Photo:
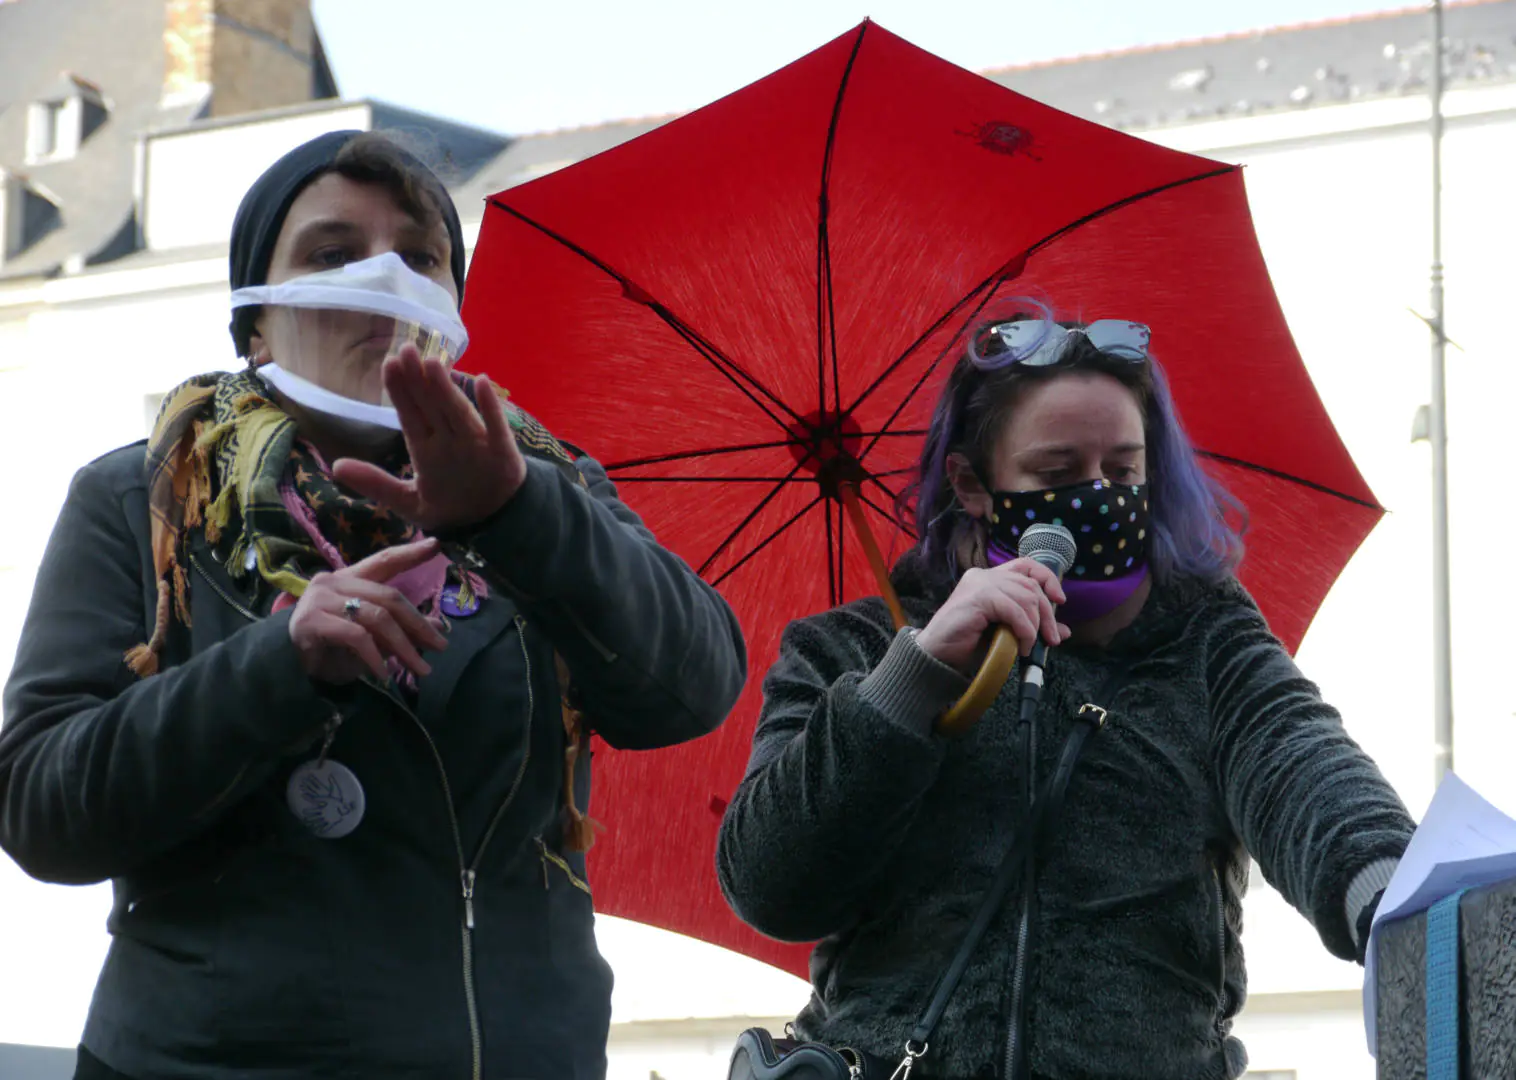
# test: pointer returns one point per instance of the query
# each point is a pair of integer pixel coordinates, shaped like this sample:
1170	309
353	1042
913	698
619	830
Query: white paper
1463	842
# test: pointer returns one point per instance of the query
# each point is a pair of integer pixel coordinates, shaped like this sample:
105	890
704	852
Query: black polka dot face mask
1109	523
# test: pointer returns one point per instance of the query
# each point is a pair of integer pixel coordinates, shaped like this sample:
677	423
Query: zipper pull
468	899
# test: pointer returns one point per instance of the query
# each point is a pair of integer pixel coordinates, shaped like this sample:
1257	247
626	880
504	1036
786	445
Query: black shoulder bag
760	1056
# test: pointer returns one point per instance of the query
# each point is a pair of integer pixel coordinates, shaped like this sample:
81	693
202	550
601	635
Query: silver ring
350	608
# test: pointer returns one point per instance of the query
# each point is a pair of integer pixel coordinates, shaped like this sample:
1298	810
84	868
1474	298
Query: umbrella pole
871	551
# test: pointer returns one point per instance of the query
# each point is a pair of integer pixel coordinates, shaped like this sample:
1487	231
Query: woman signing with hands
309	677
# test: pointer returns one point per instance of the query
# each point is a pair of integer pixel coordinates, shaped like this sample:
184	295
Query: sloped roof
116	45
1293	67
1284	68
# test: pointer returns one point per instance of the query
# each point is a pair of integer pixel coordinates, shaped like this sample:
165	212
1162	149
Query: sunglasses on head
1042	342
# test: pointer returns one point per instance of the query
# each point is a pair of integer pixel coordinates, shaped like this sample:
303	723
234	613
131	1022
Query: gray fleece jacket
858	827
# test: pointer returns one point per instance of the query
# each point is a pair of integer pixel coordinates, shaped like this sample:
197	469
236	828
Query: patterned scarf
224	457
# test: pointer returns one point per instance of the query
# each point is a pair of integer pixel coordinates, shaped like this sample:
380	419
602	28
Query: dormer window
47	129
62	119
27	214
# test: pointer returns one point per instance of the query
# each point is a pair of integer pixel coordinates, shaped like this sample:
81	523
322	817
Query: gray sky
519	66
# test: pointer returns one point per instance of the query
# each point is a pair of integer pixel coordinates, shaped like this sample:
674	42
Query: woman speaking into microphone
1115	953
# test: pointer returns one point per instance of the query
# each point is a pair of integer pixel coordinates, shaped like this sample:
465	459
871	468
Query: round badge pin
455	605
326	798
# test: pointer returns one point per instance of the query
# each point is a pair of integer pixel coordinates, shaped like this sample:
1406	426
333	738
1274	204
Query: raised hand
466	461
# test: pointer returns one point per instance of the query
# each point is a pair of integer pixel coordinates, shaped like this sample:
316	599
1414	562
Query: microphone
1051	546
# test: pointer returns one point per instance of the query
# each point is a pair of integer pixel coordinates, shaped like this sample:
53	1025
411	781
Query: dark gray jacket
857	826
245	946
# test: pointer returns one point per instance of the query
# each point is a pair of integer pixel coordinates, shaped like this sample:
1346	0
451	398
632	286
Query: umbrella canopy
747	313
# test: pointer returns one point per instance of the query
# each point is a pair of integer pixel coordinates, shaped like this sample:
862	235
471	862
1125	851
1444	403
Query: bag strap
1444	984
1044	816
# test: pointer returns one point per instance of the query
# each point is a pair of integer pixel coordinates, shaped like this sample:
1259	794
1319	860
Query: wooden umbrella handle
998	664
982	692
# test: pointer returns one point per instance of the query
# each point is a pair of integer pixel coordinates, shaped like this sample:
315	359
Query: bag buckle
1096	711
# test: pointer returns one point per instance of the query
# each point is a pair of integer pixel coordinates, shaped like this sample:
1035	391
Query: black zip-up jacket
244	945
856	825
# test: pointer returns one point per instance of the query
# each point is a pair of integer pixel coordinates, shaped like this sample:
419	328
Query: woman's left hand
466	461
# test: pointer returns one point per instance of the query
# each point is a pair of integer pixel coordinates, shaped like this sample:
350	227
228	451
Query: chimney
243	55
186	50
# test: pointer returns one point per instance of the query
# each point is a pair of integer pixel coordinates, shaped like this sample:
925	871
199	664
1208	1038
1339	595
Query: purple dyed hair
1197	523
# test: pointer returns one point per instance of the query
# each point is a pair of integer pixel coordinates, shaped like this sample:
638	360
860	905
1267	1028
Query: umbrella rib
826	307
722	363
894	496
728	368
881	511
1027	254
1278	475
1128	201
987	287
745	522
686	455
702	480
806	509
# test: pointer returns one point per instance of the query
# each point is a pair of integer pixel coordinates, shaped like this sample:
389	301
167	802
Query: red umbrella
747	313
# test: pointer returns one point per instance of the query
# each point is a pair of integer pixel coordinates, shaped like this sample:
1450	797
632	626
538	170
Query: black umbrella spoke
727	367
882	434
826	308
1266	471
733	372
987	287
1128	201
893	519
769	539
710	480
882	486
999	276
745	522
711	451
739	448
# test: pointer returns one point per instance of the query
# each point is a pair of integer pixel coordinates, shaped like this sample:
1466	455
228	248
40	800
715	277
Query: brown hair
380	158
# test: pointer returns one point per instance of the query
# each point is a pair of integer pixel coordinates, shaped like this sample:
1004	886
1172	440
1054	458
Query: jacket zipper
467	871
231	601
1221	995
1018	985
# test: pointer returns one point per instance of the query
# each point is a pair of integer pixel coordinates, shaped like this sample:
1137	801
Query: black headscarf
266	204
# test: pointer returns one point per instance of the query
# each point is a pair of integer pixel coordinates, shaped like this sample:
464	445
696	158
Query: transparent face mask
326	335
